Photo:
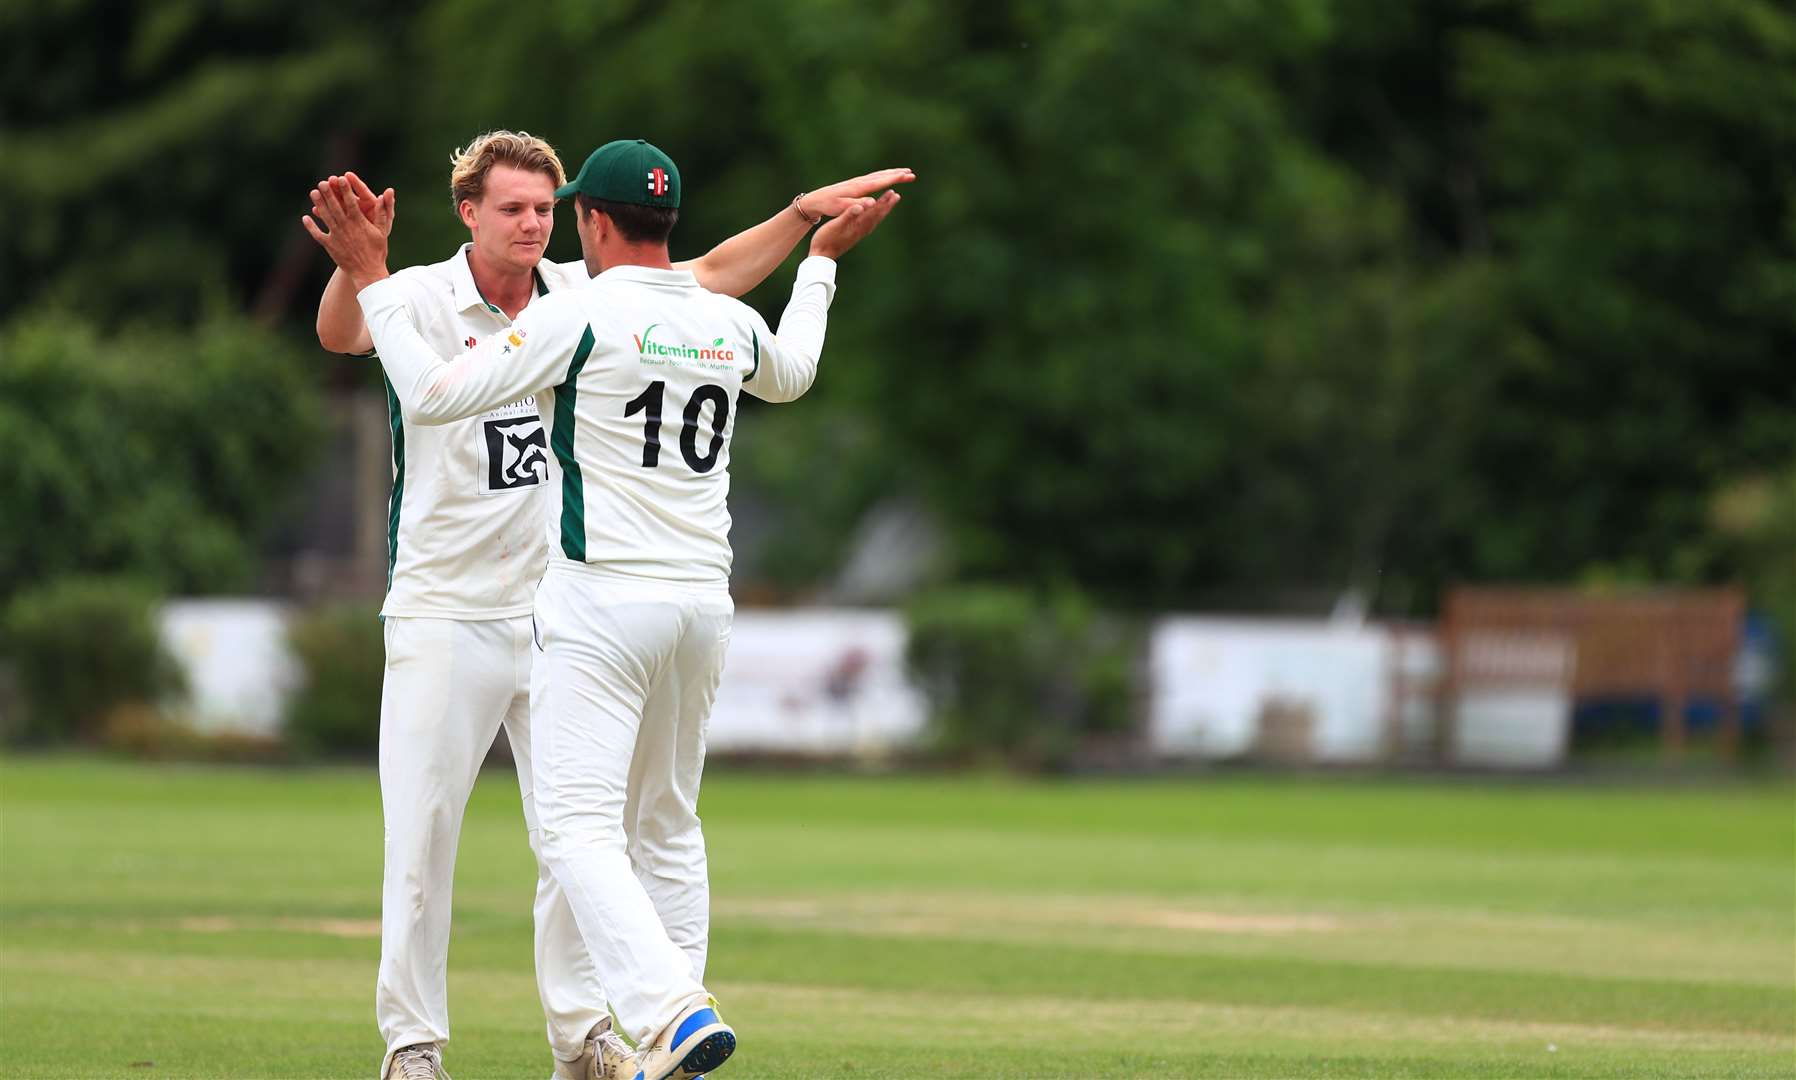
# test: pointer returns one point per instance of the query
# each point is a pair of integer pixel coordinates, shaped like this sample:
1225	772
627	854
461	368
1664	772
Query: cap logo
657	181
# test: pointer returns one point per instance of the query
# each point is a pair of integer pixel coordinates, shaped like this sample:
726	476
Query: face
511	222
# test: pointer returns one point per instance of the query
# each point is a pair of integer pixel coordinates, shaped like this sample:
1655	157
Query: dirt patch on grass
225	924
1217	922
1222	1028
764	908
962	914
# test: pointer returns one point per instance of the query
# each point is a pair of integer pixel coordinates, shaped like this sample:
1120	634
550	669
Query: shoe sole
709	1054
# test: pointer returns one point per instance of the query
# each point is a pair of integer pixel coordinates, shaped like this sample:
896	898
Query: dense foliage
336	706
1016	676
152	452
1191	300
85	654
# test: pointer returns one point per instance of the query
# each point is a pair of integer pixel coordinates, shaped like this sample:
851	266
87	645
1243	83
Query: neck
653	256
506	287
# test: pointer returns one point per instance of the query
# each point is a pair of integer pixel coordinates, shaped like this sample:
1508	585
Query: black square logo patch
517	453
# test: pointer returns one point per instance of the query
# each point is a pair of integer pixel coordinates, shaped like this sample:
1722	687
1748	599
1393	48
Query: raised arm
786	364
340	325
535	354
737	265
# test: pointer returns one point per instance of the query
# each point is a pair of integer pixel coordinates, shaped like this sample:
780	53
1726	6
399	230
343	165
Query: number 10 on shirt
649	403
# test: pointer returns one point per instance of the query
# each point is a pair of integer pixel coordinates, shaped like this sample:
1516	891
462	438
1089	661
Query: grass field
222	923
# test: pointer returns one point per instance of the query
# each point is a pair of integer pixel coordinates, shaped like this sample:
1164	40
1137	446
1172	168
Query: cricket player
637	375
466	547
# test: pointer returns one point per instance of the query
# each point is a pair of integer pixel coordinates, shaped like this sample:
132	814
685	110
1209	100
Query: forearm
791	362
430	390
737	265
340	325
413	368
434	389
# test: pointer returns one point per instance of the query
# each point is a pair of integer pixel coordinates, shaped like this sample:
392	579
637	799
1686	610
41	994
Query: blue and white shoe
697	1042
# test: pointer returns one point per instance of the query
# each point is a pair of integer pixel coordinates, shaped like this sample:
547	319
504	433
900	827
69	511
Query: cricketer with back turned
633	615
466	547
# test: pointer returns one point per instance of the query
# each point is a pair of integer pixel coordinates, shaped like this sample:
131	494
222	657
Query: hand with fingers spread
836	199
356	242
376	208
841	234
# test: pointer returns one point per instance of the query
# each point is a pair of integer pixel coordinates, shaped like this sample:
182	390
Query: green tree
155	453
164	150
82	649
1642	190
1189	298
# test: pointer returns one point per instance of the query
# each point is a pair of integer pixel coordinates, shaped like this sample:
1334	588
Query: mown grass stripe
850	907
916	964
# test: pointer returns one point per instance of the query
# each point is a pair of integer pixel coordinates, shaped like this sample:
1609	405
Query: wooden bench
1672	645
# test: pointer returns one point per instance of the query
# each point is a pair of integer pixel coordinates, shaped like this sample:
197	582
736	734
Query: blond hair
468	166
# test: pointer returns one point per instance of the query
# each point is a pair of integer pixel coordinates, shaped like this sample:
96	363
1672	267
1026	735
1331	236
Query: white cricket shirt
636	375
464	521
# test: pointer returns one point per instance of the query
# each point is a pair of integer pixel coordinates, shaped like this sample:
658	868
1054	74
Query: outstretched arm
537	352
340	325
737	265
432	389
786	364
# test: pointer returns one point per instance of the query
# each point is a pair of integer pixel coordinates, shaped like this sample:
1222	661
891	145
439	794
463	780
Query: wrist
810	219
362	278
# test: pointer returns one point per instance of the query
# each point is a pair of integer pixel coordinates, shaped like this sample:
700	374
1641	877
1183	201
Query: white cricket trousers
449	685
621	695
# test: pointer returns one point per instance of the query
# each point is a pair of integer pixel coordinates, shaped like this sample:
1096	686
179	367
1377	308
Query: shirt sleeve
533	355
787	361
413	292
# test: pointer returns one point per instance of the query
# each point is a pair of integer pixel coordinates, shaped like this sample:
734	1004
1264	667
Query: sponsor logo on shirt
716	356
517	453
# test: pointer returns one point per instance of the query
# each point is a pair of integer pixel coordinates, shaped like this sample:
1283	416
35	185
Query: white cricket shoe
606	1056
421	1062
695	1043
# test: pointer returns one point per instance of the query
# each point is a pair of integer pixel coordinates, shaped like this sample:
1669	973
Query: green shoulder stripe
573	487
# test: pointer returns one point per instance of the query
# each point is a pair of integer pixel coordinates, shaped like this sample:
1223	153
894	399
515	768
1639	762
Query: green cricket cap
627	171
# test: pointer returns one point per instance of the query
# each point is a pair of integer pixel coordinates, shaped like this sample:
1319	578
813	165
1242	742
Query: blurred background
1289	568
1312	381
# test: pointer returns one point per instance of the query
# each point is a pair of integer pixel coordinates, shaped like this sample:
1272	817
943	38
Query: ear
466	210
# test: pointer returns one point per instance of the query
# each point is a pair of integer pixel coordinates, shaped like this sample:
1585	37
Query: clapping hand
358	222
835	239
836	199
